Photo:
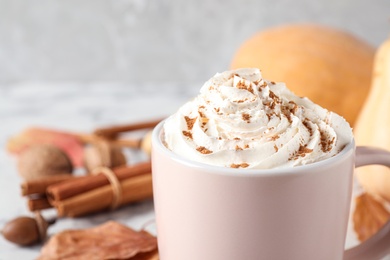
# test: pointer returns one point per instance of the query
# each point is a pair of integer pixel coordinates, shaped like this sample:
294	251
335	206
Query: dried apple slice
69	143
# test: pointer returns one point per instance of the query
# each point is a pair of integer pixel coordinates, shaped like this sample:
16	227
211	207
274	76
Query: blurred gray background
155	41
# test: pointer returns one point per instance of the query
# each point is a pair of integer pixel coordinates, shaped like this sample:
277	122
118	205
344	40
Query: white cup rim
312	167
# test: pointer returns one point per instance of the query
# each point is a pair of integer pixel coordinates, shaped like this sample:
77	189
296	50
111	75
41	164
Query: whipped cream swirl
240	120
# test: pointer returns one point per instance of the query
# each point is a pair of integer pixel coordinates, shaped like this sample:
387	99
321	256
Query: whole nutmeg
102	153
42	160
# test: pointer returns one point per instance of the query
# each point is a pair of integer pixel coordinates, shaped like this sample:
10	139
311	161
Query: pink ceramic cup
206	212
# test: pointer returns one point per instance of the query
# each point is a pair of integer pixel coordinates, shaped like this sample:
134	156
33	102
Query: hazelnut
102	153
25	231
146	143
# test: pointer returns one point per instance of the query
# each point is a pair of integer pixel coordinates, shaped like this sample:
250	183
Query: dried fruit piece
67	142
369	216
107	241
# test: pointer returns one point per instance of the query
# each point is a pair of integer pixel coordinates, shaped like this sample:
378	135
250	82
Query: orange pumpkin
372	127
331	67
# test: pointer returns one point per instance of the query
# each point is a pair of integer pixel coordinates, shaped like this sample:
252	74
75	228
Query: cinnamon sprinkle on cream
187	134
272	95
241	85
308	127
203	150
303	150
262	85
294	107
326	144
190	122
246	117
275	98
201	114
241	165
287	114
243	100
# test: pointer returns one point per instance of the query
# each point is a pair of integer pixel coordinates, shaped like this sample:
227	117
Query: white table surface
78	107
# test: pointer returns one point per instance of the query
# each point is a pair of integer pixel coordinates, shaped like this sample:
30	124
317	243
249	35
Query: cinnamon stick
35	204
113	131
39	186
130	143
135	188
83	184
93	138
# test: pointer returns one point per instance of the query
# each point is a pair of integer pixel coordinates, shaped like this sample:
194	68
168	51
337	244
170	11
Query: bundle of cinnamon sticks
35	190
77	196
107	188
